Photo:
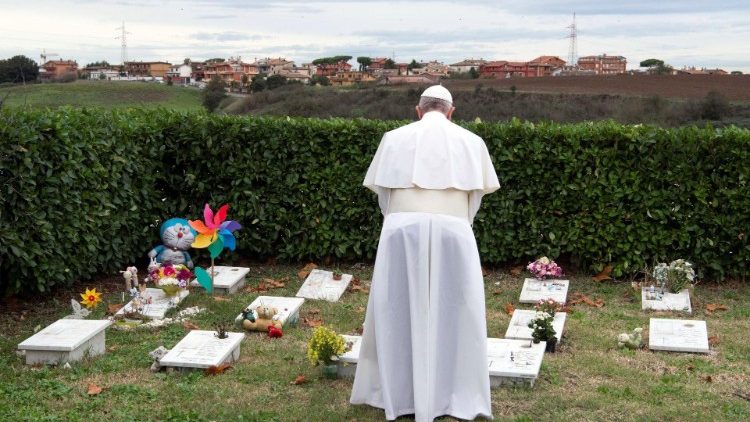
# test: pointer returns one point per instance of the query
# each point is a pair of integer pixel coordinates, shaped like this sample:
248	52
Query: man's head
436	98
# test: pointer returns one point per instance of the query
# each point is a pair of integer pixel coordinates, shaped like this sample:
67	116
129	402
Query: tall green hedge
84	191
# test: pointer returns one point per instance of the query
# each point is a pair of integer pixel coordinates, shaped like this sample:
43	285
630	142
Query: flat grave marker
288	308
321	285
514	361
66	340
160	303
201	349
227	280
518	328
678	335
535	290
348	361
668	301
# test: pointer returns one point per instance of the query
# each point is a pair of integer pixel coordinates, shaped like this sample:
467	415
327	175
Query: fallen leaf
579	297
274	284
260	288
94	389
312	322
713	340
603	274
356	286
713	307
299	380
189	325
221	299
509	308
112	308
216	370
516	271
305	271
497	292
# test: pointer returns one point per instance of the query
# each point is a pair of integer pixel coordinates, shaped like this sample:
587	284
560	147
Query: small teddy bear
631	341
261	319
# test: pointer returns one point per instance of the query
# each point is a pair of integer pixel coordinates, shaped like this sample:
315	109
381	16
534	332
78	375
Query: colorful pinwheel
215	234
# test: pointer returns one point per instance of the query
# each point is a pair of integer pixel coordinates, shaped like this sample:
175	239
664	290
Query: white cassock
424	345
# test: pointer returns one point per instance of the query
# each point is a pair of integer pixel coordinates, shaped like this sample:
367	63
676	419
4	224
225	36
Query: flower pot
551	345
330	371
170	290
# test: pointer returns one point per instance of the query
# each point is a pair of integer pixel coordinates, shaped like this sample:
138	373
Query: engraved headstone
288	308
665	301
535	290
203	349
160	303
321	285
66	340
678	335
227	280
518	328
514	361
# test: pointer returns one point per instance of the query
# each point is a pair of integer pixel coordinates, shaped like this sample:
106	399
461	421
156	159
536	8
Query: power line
124	45
573	47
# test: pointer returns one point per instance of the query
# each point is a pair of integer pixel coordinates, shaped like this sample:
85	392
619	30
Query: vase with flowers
544	268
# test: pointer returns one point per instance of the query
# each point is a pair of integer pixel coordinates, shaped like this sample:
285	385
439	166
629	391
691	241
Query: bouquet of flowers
170	278
325	346
542	328
549	306
543	268
675	276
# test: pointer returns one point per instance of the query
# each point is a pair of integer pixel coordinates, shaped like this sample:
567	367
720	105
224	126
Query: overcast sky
683	33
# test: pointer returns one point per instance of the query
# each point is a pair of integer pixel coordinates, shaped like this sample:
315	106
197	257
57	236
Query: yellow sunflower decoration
91	298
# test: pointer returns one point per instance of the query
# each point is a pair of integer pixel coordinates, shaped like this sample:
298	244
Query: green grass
589	379
107	94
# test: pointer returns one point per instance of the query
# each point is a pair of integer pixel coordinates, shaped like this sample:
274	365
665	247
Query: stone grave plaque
518	328
160	303
678	335
514	361
288	308
321	285
227	280
201	349
66	340
348	361
535	290
665	301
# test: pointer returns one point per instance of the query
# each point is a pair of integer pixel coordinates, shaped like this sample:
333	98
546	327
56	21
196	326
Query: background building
603	64
145	69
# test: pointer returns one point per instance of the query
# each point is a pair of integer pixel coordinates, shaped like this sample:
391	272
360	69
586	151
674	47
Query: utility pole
124	43
573	48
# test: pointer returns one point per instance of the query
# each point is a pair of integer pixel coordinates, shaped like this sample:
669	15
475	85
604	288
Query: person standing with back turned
424	344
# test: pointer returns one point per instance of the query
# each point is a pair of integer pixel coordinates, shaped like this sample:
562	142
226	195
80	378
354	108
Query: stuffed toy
631	341
176	236
261	319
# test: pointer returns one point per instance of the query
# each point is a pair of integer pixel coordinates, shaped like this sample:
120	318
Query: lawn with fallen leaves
589	379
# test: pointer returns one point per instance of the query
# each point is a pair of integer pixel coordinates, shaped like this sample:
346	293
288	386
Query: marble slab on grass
669	301
514	362
288	308
678	335
227	280
348	361
321	285
518	328
160	303
201	349
66	340
535	290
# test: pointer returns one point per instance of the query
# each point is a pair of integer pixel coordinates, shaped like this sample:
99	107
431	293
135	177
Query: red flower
169	271
184	274
274	332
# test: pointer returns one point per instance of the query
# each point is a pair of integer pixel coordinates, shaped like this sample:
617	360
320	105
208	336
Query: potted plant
676	276
337	275
544	268
542	330
324	348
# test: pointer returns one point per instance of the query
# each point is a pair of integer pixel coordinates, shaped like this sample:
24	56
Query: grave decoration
78	311
323	285
670	291
66	340
519	328
91	298
324	348
170	278
153	303
130	275
544	268
215	233
287	310
633	340
262	318
542	329
156	355
678	335
676	276
176	236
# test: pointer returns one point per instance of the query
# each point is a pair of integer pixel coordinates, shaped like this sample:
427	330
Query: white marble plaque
535	290
66	340
288	308
514	358
665	301
678	335
352	354
202	349
321	285
160	303
518	328
227	280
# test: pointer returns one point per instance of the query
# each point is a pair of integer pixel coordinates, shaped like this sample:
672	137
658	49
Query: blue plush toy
176	236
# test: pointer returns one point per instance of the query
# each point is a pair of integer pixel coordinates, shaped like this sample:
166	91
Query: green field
107	94
589	379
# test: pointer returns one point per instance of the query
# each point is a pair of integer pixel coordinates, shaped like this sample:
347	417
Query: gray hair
434	104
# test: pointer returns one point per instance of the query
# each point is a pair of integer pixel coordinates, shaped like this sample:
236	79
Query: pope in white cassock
424	345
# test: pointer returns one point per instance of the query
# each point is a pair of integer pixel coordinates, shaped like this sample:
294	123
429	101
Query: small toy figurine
631	341
177	236
131	277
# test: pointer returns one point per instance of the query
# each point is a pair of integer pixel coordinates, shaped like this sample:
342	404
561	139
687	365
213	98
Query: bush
715	106
214	93
84	191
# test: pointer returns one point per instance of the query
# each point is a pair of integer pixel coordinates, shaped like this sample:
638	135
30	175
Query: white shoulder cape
432	153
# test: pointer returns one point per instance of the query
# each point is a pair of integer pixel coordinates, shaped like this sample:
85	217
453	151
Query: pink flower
169	271
184	274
